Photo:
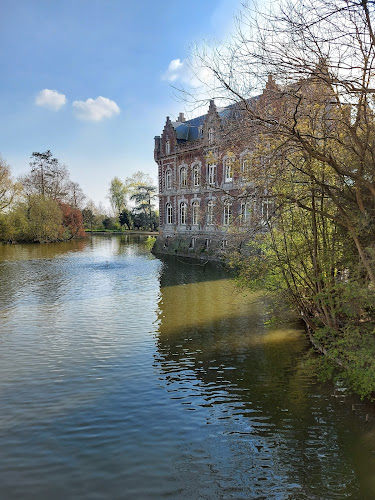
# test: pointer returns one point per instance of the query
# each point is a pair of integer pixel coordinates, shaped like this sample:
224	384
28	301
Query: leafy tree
143	196
312	133
72	222
44	219
125	218
8	188
140	220
51	179
118	193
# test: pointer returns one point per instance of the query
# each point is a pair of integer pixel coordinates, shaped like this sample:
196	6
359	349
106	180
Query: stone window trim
195	212
167	146
183	176
210	212
169	213
168	178
211	135
227	212
183	213
212	174
228	168
196	167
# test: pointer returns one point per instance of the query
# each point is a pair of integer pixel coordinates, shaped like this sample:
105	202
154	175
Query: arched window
211	135
183	177
227	213
183	210
169	212
211	174
228	170
168	179
210	213
195	213
197	176
167	147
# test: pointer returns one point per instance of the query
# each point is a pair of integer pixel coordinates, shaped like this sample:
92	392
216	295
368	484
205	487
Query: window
228	170
168	179
245	211
211	135
195	213
207	242
227	213
183	177
210	213
183	210
267	210
197	176
211	174
192	242
245	165
167	147
169	212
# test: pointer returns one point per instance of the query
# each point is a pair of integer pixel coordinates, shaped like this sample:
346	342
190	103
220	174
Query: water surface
126	377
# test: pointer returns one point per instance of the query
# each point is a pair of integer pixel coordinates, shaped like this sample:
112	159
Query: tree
118	195
8	188
125	218
137	179
312	131
143	196
51	179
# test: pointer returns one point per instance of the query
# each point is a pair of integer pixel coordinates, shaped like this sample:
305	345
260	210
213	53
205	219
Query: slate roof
189	129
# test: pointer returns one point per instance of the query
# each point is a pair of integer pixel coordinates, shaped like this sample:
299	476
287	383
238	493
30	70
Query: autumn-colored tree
72	222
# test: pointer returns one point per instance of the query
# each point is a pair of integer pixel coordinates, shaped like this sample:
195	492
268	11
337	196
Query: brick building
203	189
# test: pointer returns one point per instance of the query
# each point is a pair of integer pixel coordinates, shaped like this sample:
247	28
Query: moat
123	376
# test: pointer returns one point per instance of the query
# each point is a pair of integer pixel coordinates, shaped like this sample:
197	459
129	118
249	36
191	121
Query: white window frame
210	213
167	147
169	213
168	179
195	212
183	177
196	176
183	213
212	174
227	219
267	207
245	211
228	173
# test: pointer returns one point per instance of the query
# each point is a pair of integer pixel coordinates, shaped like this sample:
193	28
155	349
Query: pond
126	376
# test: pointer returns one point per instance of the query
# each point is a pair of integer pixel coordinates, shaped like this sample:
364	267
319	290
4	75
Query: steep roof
189	130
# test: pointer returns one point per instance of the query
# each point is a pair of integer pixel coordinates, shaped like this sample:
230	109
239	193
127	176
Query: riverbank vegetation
42	206
312	156
134	202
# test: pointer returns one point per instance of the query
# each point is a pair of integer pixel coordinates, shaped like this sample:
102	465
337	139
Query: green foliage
150	242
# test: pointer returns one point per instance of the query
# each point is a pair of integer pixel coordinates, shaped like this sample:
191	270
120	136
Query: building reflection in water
269	430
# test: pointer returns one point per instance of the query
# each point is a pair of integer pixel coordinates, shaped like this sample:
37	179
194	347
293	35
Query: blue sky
58	57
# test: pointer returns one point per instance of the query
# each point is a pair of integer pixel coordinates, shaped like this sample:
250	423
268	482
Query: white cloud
181	72
50	99
176	71
96	109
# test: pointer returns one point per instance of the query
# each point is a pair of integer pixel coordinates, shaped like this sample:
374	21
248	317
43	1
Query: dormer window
211	135
167	147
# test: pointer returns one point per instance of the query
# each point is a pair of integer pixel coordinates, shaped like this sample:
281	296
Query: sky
92	80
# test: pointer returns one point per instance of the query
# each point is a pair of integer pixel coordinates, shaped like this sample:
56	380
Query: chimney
181	118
